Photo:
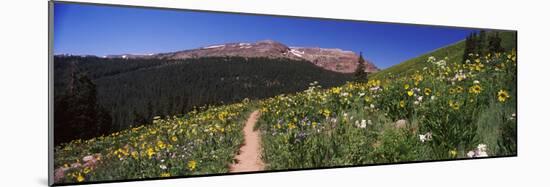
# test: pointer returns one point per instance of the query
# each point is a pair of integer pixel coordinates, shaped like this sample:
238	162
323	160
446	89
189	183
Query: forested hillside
133	91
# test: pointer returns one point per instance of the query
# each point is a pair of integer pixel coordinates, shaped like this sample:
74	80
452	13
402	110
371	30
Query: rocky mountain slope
337	60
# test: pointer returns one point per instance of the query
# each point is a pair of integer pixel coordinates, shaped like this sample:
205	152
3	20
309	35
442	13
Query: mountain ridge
333	59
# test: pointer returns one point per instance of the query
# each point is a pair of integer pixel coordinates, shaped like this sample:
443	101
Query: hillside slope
453	52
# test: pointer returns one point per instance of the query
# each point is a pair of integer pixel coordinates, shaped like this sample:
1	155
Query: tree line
482	43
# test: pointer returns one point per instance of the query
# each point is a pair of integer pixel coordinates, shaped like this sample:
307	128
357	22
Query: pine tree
494	43
360	73
470	47
482	43
77	114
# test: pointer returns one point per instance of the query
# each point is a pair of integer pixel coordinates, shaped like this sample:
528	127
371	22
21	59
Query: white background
23	92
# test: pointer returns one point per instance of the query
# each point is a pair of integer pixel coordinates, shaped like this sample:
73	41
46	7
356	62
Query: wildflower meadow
446	110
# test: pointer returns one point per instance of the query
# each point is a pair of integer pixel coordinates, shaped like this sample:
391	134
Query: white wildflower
513	117
376	88
482	147
425	137
422	138
363	124
471	154
431	59
479	151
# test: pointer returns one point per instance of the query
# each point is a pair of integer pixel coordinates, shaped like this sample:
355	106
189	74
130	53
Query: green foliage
398	145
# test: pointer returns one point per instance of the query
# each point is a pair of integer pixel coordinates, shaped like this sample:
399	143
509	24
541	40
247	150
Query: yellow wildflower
459	89
135	154
165	175
401	104
80	178
192	165
452	91
161	144
454	105
410	93
336	90
502	95
326	112
476	89
453	153
427	91
150	152
291	126
87	170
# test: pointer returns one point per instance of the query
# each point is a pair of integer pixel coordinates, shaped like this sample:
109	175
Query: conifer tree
470	46
360	73
494	44
482	43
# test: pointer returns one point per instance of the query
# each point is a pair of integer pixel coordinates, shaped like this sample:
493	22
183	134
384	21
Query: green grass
453	52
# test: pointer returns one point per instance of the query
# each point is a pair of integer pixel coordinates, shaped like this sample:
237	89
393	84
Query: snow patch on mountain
214	46
296	52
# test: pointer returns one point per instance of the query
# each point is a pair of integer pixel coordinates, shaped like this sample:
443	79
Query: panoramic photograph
148	93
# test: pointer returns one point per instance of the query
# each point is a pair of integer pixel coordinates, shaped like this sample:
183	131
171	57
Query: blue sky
102	30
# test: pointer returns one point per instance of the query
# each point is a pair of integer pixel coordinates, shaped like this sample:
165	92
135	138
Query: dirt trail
249	158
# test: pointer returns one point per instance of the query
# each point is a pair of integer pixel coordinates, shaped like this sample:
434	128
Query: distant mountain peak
333	59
